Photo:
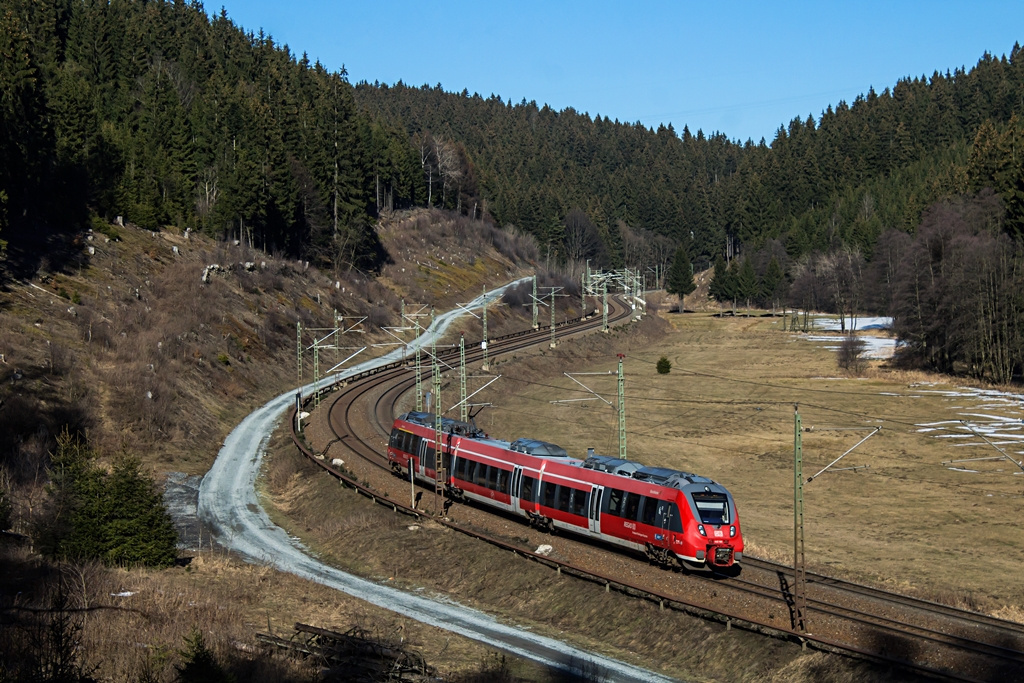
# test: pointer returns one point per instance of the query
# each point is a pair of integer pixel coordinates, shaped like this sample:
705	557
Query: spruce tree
745	282
199	664
680	275
772	282
721	286
118	518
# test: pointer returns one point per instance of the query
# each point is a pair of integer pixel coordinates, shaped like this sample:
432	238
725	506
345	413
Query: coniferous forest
907	202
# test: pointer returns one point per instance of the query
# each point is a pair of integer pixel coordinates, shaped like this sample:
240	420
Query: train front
714	527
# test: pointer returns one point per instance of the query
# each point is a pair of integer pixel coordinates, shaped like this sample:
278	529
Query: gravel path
228	505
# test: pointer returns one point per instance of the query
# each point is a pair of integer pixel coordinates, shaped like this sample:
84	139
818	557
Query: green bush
115	517
664	366
104	228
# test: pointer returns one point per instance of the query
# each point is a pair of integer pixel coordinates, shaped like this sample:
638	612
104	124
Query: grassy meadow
726	410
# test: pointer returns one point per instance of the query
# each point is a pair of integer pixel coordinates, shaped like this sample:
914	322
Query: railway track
927	638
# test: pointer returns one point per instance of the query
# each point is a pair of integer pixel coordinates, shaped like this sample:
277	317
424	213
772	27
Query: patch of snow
831	324
876	348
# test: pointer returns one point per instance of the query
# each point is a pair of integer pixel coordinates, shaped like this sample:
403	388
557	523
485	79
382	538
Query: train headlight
732	532
700	528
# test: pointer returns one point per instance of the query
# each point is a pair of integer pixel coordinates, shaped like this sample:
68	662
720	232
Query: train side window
649	512
481	475
503	479
471	472
460	468
614	502
446	460
564	498
547	494
580	500
631	506
529	483
428	458
492	478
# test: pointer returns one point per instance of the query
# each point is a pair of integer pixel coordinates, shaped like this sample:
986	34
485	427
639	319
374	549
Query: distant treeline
154	111
845	177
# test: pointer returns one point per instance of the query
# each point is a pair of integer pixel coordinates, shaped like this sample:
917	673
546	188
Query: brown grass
726	411
154	362
349	531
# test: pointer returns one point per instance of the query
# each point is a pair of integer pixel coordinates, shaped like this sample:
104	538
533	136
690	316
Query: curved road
228	505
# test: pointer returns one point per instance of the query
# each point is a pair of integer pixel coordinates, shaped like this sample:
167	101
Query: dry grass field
726	410
346	530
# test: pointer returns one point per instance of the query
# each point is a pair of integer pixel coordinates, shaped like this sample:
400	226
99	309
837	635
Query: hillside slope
156	343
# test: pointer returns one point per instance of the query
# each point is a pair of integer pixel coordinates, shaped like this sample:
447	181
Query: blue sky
740	68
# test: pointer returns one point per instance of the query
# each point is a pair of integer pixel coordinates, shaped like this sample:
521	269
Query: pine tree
772	282
199	665
721	287
745	282
680	275
138	529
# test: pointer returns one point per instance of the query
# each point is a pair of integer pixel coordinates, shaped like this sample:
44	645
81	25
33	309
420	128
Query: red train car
676	518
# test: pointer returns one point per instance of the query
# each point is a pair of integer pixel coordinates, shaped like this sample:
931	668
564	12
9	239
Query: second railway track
931	639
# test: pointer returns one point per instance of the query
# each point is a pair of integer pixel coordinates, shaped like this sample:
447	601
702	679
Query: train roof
448	425
606	463
539	448
663	476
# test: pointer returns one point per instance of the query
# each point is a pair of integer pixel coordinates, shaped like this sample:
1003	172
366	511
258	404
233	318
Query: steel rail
378	377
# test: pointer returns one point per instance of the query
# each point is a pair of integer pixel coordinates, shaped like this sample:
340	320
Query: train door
421	460
517	483
595	508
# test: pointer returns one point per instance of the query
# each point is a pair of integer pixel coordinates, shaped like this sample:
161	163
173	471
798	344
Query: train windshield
712	507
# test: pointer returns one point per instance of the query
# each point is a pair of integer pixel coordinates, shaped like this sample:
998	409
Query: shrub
664	366
101	226
199	665
48	644
851	355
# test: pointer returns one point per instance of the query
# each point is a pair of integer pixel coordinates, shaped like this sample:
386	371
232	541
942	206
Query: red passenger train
676	518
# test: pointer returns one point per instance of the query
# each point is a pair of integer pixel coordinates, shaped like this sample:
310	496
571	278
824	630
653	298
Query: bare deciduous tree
582	240
842	271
